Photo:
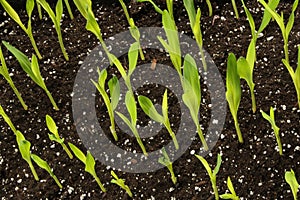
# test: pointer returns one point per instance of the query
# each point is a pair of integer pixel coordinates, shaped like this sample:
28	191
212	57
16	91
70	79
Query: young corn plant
39	8
24	148
290	178
157	9
192	93
131	108
31	68
120	182
271	119
7	120
14	15
210	10
89	162
112	101
233	93
69	9
231	195
165	160
148	107
44	165
235	8
4	72
55	136
212	173
135	33
195	26
56	17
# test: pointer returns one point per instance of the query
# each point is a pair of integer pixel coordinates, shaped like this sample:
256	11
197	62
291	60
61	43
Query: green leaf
230	186
157	9
114	89
127	122
29	7
267	16
90	163
148	107
206	165
82	6
244	71
53	137
250	18
290	23
251	53
7	120
190	8
59	10
227	196
51	125
102	78
49	10
77	152
165	106
133	54
290	178
92	24
42	163
119	66
24	146
36	72
217	168
131	107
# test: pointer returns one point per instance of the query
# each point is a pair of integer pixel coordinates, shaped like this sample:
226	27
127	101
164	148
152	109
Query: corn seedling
24	148
210	11
271	119
7	120
4	72
135	33
195	26
112	102
148	107
55	136
31	68
56	17
212	173
192	93
290	178
267	16
231	195
235	9
131	108
157	9
39	8
89	162
165	160
14	15
44	165
120	182
233	93
69	9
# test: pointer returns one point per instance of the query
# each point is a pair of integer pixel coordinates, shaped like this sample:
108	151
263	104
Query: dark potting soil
255	167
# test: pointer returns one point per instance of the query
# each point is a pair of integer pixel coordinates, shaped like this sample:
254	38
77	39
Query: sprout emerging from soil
233	93
148	107
55	136
165	160
44	165
212	173
14	15
235	9
4	72
89	162
231	195
31	68
290	178
120	182
56	17
112	102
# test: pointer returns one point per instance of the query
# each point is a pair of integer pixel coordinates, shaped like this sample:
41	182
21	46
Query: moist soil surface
255	167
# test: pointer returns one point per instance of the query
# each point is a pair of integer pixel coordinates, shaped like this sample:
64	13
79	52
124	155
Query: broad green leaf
190	8
245	71
217	168
90	163
24	146
131	107
114	89
133	54
197	28
7	120
148	107
190	101
102	78
51	125
290	178
251	53
36	71
165	105
206	165
82	6
49	10
119	66
267	16
29	7
42	163
92	24
59	10
77	152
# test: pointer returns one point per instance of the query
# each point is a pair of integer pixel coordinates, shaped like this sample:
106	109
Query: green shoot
39	7
44	165
271	119
233	93
4	72
69	9
131	108
156	8
231	195
290	178
267	16
120	182
135	33
165	160
195	26
24	148
192	93
212	173
235	9
7	120
32	69
55	137
89	162
56	17
210	11
148	107
112	102
14	15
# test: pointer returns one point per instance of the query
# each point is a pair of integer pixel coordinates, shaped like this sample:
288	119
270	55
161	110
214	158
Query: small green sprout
148	107
14	15
212	174
195	26
24	147
131	108
231	195
69	9
235	9
89	162
290	178
267	16
4	72
156	8
39	7
31	68
192	93
210	11
233	93
120	182
112	102
54	136
44	165
165	160
271	119
7	120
